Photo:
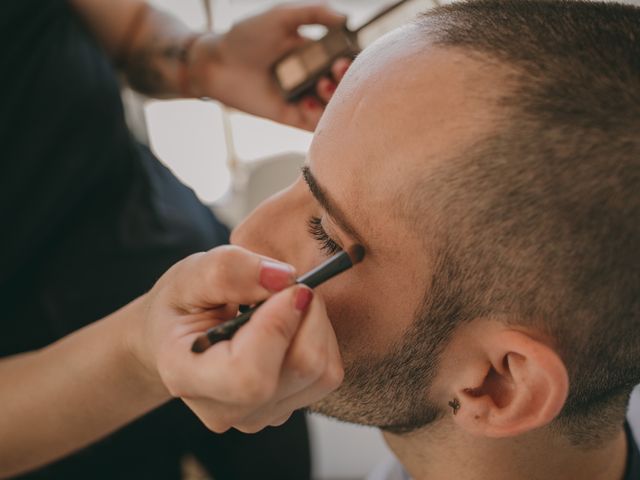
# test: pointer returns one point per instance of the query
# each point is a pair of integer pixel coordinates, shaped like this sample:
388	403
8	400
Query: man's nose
262	230
273	228
240	234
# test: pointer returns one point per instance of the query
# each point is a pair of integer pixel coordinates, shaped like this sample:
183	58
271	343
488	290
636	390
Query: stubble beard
390	391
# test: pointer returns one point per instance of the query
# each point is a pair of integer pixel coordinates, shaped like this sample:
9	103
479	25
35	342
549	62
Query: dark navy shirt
90	218
633	456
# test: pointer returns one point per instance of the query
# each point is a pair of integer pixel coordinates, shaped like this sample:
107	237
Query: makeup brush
340	262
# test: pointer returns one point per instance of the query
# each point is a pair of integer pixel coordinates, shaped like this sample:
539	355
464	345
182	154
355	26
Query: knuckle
334	375
311	364
279	327
216	424
252	388
172	379
176	390
224	262
226	253
281	420
183	267
249	427
190	259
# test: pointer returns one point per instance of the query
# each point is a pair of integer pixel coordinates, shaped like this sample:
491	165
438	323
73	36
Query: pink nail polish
331	87
311	103
303	298
275	276
341	66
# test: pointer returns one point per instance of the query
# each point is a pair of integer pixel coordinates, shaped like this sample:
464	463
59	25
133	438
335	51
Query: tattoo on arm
153	70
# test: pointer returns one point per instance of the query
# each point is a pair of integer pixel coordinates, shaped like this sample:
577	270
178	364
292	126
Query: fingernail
344	67
331	87
311	103
275	276
303	298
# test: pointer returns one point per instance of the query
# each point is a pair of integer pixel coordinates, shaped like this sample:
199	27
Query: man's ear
510	385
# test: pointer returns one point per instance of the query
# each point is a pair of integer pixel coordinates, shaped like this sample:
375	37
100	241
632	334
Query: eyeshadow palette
298	72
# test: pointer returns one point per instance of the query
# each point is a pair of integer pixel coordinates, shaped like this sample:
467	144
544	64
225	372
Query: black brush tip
201	344
356	253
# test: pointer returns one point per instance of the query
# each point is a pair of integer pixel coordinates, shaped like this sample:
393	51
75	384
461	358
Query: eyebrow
329	206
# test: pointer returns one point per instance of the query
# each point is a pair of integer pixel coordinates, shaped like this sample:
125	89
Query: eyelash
317	231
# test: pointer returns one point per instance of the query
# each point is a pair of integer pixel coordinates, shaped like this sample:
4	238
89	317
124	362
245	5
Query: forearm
148	45
162	58
155	57
75	391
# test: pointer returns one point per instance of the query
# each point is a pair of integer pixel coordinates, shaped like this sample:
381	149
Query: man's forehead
396	114
405	95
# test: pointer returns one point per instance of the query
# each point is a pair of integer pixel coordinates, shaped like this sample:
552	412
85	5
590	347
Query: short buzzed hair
541	219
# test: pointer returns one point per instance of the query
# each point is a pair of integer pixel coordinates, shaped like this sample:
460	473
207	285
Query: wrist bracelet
184	72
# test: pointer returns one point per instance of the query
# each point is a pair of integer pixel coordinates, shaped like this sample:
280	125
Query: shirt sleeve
61	118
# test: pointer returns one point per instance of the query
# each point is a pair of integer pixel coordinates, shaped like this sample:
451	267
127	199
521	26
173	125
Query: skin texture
88	384
234	68
353	142
403	109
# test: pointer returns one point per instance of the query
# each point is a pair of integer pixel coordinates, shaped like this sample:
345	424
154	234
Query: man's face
400	110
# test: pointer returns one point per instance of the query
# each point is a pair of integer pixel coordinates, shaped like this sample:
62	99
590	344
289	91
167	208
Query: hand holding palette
298	72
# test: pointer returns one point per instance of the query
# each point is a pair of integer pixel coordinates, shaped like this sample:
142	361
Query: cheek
365	321
371	312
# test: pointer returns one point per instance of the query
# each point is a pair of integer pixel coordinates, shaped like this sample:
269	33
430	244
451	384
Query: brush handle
225	331
327	270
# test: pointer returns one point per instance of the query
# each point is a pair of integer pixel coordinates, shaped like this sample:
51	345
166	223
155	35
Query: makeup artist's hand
285	358
236	68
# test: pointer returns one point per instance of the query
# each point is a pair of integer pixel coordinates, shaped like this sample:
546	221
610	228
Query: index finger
229	274
246	369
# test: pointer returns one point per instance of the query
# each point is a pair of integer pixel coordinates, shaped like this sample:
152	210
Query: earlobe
521	385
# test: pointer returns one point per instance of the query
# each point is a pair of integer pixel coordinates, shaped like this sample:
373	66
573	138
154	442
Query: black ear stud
455	405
